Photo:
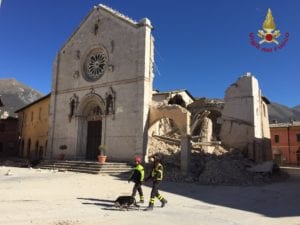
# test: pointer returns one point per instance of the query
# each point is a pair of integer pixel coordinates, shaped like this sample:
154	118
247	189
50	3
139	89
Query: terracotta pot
101	159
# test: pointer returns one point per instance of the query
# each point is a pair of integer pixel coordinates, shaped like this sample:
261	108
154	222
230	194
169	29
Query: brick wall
286	141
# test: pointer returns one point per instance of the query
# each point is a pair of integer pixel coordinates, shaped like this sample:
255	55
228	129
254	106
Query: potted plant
61	156
102	155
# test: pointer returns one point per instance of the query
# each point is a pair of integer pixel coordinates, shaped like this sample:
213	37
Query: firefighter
156	176
137	177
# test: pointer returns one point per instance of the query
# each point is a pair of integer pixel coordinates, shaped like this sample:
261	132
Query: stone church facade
102	88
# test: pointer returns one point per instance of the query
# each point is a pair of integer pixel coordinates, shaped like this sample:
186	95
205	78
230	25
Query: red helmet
138	159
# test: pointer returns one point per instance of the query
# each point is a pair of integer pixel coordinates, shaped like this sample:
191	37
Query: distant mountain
297	109
281	113
15	95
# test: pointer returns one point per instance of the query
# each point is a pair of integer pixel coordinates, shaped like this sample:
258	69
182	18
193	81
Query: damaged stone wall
244	119
214	106
222	134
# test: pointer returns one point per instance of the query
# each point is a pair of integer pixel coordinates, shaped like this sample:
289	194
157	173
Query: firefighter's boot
151	204
141	199
149	208
163	202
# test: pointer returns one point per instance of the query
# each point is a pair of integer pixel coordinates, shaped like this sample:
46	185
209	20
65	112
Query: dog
125	202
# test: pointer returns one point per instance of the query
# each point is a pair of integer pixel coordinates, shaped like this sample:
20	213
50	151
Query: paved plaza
37	197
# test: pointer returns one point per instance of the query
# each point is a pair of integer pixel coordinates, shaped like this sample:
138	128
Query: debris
220	166
8	173
265	167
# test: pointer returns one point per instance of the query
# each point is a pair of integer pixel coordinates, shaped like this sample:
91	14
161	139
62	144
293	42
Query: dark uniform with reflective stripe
156	176
138	177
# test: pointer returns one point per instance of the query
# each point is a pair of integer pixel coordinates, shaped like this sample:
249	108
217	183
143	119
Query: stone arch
178	114
88	102
181	118
91	109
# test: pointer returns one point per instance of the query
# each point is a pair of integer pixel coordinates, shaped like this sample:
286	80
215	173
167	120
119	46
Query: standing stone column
185	154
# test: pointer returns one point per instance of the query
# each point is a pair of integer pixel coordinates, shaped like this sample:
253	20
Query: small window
31	116
276	138
298	137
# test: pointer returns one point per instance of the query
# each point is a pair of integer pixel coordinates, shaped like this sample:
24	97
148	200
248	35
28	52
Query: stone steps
86	167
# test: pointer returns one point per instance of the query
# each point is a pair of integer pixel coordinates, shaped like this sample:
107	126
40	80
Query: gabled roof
32	103
126	19
117	14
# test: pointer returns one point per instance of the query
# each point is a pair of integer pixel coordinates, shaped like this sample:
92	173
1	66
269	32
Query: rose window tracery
95	64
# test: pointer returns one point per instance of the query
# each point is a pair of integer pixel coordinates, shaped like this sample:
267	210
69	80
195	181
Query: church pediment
102	13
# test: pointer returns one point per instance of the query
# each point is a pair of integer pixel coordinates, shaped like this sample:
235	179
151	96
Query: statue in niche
96	27
78	54
110	101
109	104
73	103
206	127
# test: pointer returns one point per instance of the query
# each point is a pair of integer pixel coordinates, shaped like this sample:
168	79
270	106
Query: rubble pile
229	169
215	148
169	152
221	167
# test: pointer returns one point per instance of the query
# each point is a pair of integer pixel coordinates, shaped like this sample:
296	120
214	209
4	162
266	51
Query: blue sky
200	45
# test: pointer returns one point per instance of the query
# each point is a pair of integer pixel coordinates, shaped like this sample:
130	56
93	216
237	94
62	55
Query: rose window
95	65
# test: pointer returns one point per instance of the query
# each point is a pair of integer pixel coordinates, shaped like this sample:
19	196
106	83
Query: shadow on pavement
280	199
273	200
107	204
97	202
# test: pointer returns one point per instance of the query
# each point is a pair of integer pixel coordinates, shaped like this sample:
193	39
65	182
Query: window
31	116
276	138
298	137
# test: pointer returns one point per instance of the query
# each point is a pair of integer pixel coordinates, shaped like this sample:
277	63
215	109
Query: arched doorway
90	126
